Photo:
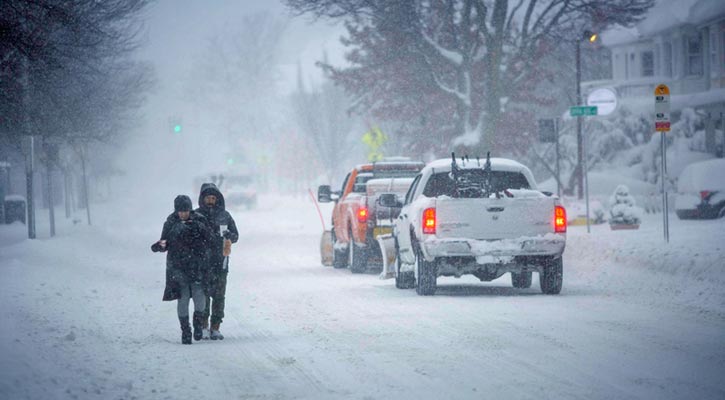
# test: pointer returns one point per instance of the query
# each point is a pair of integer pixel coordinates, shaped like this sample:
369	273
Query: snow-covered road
81	317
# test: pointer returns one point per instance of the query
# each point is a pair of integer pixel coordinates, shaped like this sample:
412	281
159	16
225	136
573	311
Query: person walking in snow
184	238
224	233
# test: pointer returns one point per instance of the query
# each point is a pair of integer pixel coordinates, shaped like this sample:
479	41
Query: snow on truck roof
383	165
498	164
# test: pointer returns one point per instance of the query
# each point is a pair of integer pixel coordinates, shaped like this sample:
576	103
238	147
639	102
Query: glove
159	246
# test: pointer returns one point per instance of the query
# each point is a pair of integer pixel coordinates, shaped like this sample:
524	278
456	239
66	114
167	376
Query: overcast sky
178	29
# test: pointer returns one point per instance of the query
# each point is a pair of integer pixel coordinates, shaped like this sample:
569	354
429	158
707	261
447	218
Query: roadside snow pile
640	265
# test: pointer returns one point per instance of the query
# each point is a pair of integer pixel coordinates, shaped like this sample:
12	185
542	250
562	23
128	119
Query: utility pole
558	175
579	139
29	146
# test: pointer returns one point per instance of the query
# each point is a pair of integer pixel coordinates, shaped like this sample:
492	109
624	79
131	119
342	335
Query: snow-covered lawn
82	317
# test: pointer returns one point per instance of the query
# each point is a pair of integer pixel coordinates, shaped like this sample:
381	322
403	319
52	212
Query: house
680	43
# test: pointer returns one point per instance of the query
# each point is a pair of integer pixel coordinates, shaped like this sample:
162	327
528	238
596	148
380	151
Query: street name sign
582	111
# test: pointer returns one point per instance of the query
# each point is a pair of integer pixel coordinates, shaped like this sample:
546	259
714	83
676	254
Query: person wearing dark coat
223	229
184	238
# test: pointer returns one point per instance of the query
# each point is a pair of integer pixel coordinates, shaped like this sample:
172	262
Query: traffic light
176	126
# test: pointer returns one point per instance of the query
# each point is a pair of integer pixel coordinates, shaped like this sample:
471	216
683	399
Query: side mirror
324	194
389	200
547	194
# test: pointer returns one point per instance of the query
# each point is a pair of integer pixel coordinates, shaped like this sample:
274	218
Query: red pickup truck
354	214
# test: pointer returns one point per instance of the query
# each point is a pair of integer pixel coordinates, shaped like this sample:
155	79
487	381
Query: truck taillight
559	219
429	221
362	214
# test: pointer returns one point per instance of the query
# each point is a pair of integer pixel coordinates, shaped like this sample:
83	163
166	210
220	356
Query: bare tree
322	115
65	74
483	55
234	77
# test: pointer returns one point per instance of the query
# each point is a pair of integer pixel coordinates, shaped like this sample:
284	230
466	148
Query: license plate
382	230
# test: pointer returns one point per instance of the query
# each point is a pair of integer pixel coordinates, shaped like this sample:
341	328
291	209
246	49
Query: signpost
662	124
582	111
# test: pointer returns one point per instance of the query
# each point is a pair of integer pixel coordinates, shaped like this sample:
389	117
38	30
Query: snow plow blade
326	248
387	250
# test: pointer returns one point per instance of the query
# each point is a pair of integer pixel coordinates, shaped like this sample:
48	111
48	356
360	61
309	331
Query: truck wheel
358	257
339	257
551	277
425	274
403	280
521	280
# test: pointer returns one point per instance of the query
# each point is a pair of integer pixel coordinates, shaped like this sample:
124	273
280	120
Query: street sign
662	108
582	111
605	99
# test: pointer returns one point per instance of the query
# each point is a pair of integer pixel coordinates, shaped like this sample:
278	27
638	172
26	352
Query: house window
626	66
722	50
694	55
667	59
648	63
713	52
658	60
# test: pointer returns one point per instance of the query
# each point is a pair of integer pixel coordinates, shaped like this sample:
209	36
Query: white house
680	43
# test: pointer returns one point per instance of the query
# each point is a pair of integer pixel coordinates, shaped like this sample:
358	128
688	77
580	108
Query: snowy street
82	317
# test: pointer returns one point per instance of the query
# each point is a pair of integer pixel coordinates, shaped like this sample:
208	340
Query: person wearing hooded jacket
184	238
212	206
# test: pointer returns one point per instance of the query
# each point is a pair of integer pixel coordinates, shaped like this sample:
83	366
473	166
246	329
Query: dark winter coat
215	217
186	246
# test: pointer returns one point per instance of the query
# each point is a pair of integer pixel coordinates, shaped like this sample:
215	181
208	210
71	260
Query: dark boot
215	334
185	330
198	325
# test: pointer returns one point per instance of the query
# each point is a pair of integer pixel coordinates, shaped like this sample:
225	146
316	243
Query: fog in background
224	71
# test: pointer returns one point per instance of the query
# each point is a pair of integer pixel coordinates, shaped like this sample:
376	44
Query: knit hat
182	203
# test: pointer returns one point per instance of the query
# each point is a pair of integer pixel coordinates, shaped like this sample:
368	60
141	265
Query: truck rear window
360	185
471	183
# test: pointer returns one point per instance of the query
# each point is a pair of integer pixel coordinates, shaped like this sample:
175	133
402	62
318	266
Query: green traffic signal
177	128
230	161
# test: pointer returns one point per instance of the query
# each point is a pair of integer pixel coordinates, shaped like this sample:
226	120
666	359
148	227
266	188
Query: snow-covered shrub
623	208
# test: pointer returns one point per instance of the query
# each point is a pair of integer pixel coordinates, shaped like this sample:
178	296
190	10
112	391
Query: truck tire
425	274
339	257
521	280
551	276
358	257
403	280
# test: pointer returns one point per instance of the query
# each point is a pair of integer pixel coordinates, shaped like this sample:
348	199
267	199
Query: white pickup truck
483	218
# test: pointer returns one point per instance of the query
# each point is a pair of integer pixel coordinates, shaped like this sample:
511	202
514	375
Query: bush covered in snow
623	209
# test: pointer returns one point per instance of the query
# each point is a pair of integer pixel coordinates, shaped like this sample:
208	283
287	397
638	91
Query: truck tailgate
492	219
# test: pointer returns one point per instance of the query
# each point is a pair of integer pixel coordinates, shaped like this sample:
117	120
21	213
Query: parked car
701	190
238	188
479	218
